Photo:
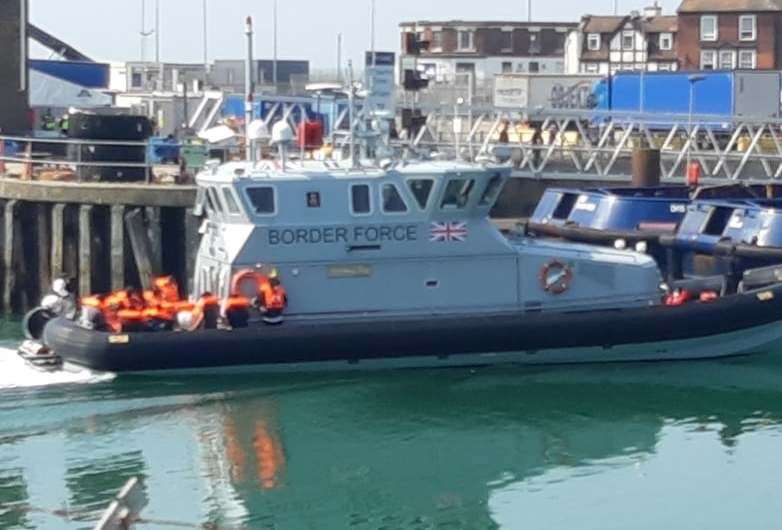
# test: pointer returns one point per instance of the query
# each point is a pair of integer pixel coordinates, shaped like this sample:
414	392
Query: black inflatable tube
591	235
308	341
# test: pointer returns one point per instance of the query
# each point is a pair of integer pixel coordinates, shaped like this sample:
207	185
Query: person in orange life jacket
236	310
273	299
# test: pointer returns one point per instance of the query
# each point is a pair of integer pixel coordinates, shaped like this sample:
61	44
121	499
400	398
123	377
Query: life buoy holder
254	277
555	277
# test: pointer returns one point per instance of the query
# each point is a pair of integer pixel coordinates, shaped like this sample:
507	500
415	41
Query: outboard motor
60	302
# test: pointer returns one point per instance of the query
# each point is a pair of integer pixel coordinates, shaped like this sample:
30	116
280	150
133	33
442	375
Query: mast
249	86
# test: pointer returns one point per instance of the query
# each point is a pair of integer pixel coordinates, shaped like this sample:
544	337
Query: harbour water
690	445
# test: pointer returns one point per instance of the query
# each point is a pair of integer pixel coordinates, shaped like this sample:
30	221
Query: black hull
523	337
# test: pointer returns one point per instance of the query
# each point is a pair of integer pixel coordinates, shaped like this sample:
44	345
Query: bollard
646	167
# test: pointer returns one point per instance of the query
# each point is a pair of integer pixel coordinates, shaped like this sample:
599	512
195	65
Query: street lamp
693	80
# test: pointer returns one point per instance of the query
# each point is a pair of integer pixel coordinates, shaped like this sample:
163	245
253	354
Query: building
729	34
639	41
229	74
145	77
461	50
14	111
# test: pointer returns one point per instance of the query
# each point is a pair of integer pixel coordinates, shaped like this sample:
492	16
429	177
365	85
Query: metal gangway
599	145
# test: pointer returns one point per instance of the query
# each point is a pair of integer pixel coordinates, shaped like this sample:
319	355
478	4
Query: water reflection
447	449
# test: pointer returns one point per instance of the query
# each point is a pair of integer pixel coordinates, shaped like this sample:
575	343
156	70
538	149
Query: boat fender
678	298
555	277
709	296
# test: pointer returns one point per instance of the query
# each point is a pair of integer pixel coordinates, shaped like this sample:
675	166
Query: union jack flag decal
448	232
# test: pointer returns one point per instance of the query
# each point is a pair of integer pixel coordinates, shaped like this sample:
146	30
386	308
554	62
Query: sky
109	30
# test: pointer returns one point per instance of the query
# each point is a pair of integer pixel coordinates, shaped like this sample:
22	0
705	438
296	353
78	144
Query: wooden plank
43	242
192	241
9	286
155	234
85	249
139	242
117	247
58	237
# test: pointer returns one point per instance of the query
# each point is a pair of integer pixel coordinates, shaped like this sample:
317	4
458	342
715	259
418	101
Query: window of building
666	41
421	190
437	41
360	199
591	68
457	194
507	67
664	67
727	59
709	27
466	40
628	40
748	59
593	41
392	199
230	201
262	199
534	67
506	40
136	79
748	25
708	60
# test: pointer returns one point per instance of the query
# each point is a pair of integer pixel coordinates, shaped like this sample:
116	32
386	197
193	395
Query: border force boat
401	266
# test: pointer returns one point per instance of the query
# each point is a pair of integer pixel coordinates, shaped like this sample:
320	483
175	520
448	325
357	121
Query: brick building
730	34
459	50
639	41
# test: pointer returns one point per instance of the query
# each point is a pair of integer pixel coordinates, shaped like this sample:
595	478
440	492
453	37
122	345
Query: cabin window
230	201
262	199
492	190
392	199
457	194
214	200
717	222
421	189
360	199
313	199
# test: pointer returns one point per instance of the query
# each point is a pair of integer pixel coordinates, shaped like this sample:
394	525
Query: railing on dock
593	144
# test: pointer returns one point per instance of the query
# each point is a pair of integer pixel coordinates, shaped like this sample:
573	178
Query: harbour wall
109	236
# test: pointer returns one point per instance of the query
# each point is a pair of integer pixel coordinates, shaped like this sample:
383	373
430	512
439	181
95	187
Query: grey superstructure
412	238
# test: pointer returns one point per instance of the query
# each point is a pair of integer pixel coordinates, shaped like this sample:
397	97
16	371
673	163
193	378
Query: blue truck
744	94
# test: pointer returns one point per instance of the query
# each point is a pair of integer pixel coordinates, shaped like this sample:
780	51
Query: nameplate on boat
359	234
119	339
350	271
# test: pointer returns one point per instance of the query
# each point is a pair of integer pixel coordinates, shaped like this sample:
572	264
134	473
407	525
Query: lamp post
274	62
693	80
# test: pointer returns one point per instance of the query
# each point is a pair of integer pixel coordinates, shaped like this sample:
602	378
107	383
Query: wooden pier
103	236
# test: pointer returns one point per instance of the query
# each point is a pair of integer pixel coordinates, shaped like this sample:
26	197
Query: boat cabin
407	238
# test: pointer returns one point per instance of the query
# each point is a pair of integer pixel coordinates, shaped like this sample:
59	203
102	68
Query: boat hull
735	325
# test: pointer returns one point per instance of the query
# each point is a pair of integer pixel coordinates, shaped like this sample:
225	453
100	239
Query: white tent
50	91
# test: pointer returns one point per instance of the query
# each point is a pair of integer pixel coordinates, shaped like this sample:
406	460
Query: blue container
163	150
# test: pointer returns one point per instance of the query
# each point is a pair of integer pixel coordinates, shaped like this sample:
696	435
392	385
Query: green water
686	446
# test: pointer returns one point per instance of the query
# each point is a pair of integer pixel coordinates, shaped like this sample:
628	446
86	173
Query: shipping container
545	91
752	95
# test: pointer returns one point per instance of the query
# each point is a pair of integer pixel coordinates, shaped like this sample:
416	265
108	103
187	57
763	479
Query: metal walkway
600	145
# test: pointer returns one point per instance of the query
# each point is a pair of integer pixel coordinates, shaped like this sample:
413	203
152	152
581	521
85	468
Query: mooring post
9	287
85	249
43	247
117	247
57	237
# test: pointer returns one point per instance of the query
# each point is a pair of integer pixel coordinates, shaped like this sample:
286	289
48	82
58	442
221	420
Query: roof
487	23
660	24
719	6
603	24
